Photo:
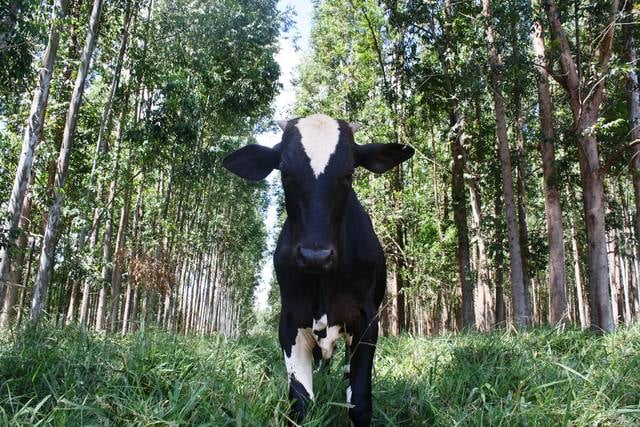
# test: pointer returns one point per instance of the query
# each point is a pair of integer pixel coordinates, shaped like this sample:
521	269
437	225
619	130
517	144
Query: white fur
328	343
320	324
300	364
349	395
319	137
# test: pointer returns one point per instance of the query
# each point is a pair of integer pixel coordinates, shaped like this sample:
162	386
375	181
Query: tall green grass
538	377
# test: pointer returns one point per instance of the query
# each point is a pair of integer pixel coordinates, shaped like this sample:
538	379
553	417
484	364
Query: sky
289	57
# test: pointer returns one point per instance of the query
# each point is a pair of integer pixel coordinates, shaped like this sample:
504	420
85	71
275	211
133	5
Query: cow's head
316	159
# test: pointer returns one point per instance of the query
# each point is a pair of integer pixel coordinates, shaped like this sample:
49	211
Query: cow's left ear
253	162
379	158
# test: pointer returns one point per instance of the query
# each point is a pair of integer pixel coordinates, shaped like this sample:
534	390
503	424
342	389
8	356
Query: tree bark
46	256
553	204
31	136
582	313
483	312
633	99
518	290
15	273
501	315
585	114
116	276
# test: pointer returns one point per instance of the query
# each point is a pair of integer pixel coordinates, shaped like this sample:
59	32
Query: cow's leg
297	345
361	365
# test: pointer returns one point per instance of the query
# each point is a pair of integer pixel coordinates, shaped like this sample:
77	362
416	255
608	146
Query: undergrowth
539	377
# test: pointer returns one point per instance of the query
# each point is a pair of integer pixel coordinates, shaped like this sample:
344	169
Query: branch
376	45
604	51
615	156
561	79
567	63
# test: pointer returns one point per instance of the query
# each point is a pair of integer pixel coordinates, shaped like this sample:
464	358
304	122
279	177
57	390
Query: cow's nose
315	258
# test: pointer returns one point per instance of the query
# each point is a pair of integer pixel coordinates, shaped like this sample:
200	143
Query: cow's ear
253	162
379	158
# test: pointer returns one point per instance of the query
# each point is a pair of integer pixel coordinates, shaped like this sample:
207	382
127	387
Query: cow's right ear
253	162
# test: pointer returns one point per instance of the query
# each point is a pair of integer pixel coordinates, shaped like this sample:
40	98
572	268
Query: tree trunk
518	290
459	203
458	156
633	99
585	113
15	274
46	256
116	276
553	203
593	198
31	137
483	313
501	317
578	279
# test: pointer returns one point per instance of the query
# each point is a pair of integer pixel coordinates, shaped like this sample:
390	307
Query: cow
328	261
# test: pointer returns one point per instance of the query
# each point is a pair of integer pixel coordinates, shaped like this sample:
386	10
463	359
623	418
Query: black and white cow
328	261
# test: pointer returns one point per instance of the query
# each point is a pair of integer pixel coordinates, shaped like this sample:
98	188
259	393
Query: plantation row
519	208
118	217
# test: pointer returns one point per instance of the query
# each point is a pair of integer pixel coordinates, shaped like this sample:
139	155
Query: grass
535	378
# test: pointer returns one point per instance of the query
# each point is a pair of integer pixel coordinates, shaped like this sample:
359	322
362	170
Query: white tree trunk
46	255
31	136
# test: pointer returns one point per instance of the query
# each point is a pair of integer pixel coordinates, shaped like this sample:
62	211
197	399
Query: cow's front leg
362	349
297	345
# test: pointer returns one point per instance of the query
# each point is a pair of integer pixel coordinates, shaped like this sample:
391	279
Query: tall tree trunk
585	114
553	203
633	99
31	137
46	256
483	313
116	276
518	290
578	279
15	274
501	316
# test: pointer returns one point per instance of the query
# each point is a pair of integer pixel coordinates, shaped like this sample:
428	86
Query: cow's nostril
314	257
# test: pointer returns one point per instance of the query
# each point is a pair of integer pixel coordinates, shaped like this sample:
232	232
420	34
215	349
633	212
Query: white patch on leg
349	395
319	137
328	343
300	364
320	324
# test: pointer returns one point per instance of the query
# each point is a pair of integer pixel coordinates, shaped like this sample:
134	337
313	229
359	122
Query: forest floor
540	377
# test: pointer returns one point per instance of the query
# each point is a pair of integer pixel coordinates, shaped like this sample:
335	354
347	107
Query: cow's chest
323	314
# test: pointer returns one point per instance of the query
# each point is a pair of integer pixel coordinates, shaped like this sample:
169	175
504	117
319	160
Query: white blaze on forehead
300	364
319	136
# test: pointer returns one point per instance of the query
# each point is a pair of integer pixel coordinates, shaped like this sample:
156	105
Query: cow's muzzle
315	258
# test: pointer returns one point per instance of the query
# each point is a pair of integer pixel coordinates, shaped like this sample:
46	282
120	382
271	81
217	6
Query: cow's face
316	158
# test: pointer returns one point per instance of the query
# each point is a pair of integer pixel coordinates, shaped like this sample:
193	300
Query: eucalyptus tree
518	284
31	138
584	77
553	202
